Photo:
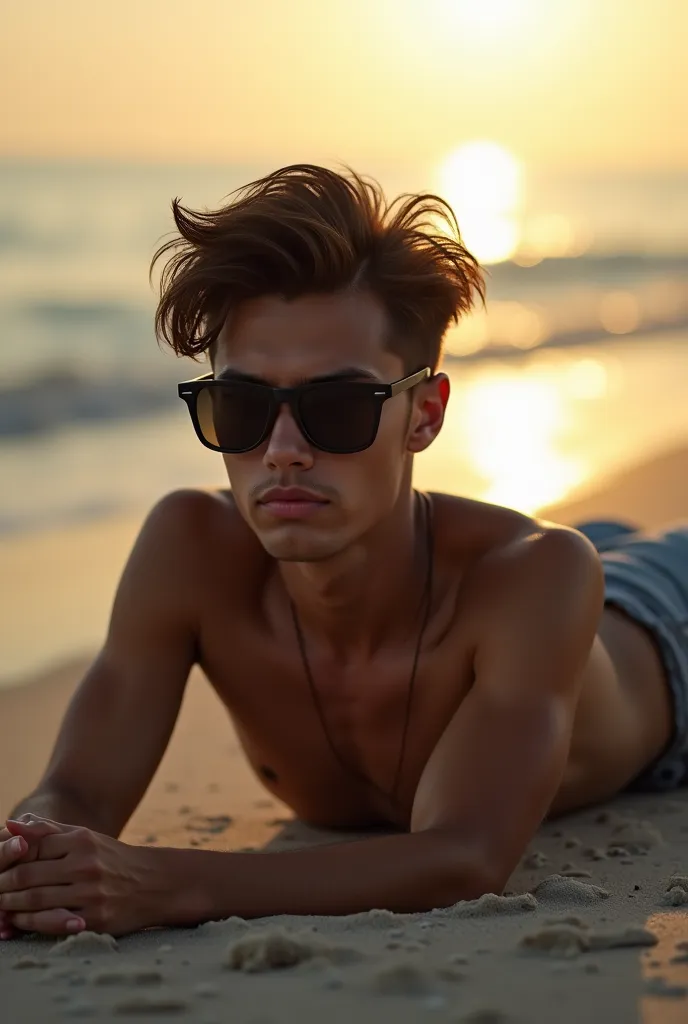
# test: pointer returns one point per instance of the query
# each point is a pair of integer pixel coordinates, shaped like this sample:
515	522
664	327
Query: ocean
579	366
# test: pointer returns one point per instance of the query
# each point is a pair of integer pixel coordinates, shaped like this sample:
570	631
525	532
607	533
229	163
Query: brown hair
305	229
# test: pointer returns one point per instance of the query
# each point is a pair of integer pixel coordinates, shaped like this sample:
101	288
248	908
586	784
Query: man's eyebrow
347	373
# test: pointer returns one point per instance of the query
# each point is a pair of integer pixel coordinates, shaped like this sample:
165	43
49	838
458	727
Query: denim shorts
646	574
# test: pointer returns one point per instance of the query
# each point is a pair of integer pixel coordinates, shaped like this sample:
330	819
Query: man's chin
291	542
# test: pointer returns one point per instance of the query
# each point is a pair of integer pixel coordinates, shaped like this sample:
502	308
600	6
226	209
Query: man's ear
428	412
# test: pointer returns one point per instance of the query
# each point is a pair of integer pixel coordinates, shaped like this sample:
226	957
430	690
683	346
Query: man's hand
105	885
15	849
12	849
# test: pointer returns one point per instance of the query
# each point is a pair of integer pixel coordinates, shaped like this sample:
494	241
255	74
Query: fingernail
75	924
16	845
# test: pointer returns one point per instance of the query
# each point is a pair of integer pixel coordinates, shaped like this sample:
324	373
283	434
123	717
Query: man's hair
305	229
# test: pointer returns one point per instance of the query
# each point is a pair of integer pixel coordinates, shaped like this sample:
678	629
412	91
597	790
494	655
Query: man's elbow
459	873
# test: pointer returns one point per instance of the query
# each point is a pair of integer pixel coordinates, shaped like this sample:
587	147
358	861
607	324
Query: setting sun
482	181
496	16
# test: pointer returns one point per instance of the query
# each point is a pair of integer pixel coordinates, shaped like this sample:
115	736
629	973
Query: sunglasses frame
189	390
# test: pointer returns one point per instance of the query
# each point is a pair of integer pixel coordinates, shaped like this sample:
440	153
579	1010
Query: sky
579	84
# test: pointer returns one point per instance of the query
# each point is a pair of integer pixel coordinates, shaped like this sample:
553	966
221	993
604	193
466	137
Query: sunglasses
340	417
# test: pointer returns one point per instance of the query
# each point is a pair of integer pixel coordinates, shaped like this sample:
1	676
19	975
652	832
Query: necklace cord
427	605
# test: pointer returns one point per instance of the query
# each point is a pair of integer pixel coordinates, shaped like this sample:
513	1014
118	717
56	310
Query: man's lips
291	502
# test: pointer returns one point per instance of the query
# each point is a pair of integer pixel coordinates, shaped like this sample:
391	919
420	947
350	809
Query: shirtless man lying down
450	669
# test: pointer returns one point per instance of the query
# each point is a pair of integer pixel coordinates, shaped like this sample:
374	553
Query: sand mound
675	897
636	836
274	949
85	944
402	978
566	941
561	940
622	937
229	926
490	904
677	892
559	890
594	853
25	963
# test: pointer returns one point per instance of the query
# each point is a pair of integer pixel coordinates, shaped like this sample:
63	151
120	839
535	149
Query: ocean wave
63	396
593	335
71	310
593	267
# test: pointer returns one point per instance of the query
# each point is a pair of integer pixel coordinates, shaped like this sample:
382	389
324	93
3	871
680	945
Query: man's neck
369	594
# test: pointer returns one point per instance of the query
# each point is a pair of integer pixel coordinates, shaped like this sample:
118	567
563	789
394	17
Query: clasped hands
61	879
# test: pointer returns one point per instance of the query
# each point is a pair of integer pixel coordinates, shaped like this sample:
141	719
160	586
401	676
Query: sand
593	925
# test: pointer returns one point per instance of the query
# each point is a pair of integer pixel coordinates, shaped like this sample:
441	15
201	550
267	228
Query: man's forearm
404	873
59	806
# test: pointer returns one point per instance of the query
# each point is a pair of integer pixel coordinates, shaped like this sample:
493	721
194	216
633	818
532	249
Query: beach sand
558	949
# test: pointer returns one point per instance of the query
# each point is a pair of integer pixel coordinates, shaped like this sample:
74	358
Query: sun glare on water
483	183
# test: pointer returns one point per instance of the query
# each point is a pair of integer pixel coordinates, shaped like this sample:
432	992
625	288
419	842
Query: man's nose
286	445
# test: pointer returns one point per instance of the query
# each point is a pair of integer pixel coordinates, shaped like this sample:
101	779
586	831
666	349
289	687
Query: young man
450	669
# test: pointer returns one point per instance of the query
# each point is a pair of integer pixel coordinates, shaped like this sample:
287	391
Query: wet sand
593	925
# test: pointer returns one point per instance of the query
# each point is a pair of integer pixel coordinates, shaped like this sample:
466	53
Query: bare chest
344	744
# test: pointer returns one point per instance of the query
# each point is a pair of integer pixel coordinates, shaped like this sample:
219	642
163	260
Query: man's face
289	343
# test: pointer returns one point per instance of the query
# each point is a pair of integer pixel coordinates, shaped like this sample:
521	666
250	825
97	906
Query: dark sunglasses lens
340	417
233	416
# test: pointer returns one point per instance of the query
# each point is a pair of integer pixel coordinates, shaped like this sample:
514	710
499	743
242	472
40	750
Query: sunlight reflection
587	378
505	436
482	181
512	430
529	432
504	323
551	235
619	312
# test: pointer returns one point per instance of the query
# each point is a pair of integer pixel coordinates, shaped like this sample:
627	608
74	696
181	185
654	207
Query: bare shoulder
195	530
503	552
193	511
467	526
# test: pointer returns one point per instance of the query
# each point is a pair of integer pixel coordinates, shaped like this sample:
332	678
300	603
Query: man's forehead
288	368
315	336
345	317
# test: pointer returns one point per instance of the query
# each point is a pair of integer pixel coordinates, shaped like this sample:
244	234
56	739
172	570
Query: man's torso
248	648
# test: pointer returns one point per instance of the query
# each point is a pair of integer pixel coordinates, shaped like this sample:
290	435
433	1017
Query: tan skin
532	698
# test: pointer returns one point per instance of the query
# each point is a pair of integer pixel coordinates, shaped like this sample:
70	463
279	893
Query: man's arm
495	771
121	717
487	785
